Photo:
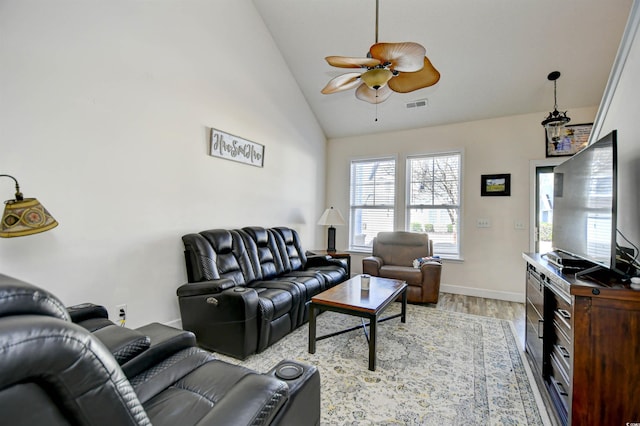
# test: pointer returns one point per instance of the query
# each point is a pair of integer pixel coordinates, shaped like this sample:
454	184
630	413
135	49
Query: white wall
492	265
104	111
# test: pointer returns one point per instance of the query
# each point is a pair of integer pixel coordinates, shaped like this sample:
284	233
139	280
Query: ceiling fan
388	67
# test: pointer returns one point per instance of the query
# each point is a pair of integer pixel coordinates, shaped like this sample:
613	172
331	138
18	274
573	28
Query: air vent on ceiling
418	103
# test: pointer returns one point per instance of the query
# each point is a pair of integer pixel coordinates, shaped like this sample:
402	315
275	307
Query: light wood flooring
512	311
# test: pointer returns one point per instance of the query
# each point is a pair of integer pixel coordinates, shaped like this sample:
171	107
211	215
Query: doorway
543	209
541	203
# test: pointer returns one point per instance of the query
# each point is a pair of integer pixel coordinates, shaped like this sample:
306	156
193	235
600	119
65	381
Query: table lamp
24	216
331	217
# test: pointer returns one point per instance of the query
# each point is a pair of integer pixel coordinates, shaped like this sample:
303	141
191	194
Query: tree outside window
433	201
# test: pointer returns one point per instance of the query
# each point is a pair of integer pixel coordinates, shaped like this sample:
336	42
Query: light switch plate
483	223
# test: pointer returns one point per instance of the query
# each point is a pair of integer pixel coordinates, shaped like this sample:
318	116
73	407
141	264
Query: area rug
439	368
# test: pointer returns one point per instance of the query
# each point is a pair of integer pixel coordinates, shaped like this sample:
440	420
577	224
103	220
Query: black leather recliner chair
56	372
250	287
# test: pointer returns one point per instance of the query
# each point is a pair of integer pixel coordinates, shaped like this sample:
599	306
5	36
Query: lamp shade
24	216
331	217
555	125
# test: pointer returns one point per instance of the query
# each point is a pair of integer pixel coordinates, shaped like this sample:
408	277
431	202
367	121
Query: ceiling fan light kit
376	78
388	67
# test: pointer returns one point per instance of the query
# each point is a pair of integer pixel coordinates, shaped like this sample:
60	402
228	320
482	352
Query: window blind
372	200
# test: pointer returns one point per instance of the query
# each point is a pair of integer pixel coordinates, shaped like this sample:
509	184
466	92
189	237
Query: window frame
408	207
353	207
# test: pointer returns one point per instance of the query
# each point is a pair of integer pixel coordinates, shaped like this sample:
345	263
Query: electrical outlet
483	223
519	225
122	312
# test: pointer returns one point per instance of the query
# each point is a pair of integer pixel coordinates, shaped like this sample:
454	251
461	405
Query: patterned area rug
440	368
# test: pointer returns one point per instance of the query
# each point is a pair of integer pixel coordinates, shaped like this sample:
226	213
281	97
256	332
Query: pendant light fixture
556	120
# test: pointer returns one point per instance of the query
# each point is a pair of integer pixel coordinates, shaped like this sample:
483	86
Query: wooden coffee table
348	298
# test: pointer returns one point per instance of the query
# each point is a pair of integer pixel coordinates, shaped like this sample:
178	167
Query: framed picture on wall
575	138
495	185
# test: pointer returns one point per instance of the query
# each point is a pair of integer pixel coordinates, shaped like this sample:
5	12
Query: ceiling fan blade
404	57
410	81
349	62
342	82
364	93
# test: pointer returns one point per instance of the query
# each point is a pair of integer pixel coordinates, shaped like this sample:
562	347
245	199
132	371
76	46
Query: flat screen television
584	204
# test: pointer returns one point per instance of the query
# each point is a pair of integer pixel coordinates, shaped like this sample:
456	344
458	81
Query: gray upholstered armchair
393	256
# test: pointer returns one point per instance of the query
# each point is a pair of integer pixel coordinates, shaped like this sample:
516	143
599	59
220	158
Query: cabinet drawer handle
561	389
540	333
564	351
565	314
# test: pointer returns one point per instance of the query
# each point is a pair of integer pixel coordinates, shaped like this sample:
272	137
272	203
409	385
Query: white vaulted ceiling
494	55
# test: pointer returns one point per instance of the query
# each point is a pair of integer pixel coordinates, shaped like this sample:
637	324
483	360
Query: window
433	200
373	184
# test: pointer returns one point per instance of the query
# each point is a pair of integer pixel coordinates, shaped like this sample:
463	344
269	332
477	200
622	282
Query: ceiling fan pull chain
376	107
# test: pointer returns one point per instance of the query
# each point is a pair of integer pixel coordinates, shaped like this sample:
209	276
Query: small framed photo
574	139
495	185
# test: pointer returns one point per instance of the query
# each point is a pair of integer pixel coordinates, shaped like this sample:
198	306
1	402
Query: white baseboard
177	323
481	292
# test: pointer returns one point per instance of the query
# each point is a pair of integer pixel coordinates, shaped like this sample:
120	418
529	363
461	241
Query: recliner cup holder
304	385
289	371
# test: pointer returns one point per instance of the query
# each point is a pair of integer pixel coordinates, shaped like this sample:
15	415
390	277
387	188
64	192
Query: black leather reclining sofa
250	287
91	372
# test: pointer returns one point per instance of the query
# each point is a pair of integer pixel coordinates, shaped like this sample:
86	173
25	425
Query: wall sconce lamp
331	217
556	120
24	216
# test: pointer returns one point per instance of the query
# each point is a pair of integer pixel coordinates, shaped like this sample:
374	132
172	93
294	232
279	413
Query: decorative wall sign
495	185
234	148
575	138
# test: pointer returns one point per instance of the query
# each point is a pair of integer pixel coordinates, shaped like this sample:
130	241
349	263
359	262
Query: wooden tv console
583	344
